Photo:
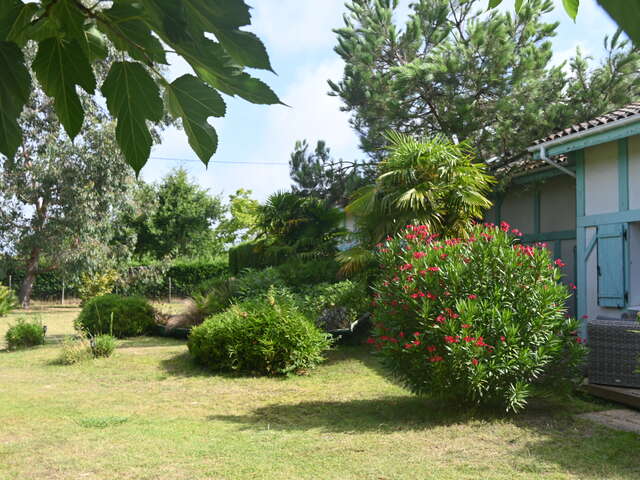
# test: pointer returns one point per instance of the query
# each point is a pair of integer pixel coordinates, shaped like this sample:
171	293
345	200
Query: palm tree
431	181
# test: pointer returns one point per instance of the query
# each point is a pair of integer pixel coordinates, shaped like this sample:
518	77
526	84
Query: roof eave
584	133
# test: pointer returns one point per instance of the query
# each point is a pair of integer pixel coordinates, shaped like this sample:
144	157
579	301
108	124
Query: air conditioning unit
614	352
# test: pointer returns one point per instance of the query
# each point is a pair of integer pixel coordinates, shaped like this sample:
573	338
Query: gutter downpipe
543	156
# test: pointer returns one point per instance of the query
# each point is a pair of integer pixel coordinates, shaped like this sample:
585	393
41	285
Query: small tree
240	222
431	181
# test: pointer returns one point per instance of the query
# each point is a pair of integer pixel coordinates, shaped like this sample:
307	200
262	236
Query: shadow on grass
581	448
183	365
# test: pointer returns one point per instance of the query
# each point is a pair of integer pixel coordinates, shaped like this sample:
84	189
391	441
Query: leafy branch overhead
73	36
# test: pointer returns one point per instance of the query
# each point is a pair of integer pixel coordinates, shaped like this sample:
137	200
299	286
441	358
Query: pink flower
516	232
504	226
418	255
434	269
436	358
503	338
466	325
440	319
559	263
474	361
572	286
431	348
371	340
472	297
406	266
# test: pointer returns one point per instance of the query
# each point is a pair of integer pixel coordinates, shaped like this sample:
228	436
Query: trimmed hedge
132	316
257	254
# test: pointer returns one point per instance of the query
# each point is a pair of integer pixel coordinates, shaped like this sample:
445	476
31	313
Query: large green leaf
15	20
241	84
571	6
133	98
245	48
128	32
15	87
626	14
69	18
494	3
194	101
60	65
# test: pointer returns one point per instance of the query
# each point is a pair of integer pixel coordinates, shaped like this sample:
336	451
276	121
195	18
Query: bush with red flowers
479	319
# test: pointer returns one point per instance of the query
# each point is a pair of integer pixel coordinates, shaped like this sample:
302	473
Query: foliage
298	273
25	333
319	175
240	224
74	350
72	39
103	345
59	198
117	315
479	319
173	218
264	335
97	284
431	181
8	300
256	254
335	305
455	69
625	14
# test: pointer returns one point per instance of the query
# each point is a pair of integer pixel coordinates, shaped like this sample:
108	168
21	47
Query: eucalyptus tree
59	199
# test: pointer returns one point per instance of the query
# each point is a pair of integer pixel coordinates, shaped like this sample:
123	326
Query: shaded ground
150	413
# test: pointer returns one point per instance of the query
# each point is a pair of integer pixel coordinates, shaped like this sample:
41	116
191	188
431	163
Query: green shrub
8	300
97	284
257	254
103	345
117	315
25	334
74	350
309	272
335	305
481	319
263	335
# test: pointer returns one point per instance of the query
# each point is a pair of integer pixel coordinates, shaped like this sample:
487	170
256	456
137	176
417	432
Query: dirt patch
618	419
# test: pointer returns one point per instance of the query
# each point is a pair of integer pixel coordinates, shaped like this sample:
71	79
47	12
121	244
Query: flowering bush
479	319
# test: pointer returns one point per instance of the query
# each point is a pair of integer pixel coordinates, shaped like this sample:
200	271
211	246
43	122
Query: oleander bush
8	300
24	334
117	315
480	319
263	335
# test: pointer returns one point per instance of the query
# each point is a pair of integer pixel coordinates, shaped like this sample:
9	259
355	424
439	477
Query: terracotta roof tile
618	114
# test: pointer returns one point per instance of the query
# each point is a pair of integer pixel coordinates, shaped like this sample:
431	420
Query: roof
629	110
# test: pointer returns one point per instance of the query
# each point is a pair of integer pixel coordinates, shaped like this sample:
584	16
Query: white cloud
313	113
290	26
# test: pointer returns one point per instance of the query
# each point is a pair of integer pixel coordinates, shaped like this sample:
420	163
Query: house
580	193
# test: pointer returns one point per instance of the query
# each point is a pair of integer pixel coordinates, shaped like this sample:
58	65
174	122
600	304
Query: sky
298	36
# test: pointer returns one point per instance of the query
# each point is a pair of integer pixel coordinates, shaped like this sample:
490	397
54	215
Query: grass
149	413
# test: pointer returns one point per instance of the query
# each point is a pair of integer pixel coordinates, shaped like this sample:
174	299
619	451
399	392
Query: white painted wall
634	172
601	178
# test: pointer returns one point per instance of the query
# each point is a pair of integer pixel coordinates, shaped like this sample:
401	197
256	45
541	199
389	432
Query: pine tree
483	77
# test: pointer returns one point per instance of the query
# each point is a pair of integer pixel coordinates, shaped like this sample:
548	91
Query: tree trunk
29	278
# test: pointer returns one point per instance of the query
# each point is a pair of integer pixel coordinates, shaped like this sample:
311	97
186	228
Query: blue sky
298	37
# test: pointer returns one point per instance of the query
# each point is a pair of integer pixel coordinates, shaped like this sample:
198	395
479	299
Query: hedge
145	280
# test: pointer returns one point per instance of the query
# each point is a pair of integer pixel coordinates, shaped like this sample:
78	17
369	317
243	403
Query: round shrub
103	345
116	315
25	334
265	335
74	350
479	319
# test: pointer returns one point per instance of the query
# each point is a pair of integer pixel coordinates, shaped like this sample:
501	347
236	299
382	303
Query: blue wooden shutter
611	271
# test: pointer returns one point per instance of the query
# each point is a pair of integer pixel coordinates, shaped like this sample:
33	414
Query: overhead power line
216	162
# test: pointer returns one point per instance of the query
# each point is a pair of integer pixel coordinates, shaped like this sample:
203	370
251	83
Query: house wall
608	195
543	207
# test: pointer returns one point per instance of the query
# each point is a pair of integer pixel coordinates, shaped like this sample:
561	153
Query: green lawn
149	413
